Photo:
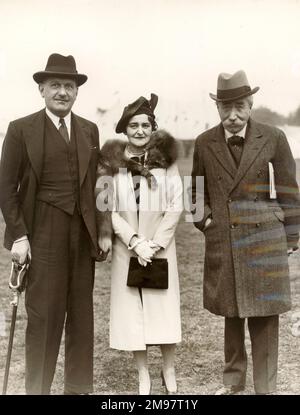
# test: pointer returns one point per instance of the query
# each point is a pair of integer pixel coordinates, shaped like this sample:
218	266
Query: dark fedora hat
232	87
140	106
61	66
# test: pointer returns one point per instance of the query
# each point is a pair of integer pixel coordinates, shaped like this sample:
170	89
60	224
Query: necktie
235	145
63	130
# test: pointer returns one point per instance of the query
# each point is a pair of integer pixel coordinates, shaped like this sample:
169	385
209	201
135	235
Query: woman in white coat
147	205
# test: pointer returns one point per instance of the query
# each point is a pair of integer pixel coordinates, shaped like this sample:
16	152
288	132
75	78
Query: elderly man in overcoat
249	231
47	180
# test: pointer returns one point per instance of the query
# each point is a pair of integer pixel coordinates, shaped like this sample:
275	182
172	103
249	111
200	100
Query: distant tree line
260	114
294	117
265	115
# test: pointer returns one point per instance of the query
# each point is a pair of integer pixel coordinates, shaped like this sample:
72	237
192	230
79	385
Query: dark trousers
58	294
264	347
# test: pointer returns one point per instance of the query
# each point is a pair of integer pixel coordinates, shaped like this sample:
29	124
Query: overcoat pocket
279	215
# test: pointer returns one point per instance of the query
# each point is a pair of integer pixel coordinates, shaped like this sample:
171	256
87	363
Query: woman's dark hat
140	106
61	66
232	87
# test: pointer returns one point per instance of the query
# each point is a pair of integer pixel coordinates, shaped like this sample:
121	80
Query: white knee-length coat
135	323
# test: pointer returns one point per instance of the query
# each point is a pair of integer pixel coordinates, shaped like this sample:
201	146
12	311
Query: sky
129	48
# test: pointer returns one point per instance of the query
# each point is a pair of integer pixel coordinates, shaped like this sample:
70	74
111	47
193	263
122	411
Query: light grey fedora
231	87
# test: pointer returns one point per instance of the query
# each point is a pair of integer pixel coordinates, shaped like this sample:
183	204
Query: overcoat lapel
132	200
82	132
34	140
126	192
254	143
221	152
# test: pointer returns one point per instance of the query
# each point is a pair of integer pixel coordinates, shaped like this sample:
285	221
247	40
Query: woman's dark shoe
163	382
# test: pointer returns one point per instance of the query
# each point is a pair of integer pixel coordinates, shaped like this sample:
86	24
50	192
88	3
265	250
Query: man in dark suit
249	231
47	180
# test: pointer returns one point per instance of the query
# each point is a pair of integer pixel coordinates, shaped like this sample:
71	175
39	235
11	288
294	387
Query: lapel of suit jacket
34	133
83	134
254	143
221	151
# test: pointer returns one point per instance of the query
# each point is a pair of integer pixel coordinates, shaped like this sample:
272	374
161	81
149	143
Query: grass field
199	362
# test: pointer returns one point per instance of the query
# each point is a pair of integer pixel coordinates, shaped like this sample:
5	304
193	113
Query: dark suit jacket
246	268
21	168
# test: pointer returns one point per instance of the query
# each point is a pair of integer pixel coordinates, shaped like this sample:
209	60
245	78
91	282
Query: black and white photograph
149	199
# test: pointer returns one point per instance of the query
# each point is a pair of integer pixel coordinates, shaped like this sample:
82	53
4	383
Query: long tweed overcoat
246	264
154	319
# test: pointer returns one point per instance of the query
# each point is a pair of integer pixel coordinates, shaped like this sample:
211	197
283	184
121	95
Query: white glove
20	250
144	251
154	246
142	261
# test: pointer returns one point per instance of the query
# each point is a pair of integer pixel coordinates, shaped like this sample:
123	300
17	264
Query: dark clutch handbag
154	275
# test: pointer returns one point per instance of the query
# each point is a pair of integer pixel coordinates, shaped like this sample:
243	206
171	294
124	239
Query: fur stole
161	152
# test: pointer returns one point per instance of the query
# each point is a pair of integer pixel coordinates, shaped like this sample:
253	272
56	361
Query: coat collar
254	143
34	139
221	151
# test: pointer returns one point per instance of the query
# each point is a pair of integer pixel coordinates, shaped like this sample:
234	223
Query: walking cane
17	283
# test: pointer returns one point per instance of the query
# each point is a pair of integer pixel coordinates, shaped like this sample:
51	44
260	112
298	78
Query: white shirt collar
55	119
241	133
